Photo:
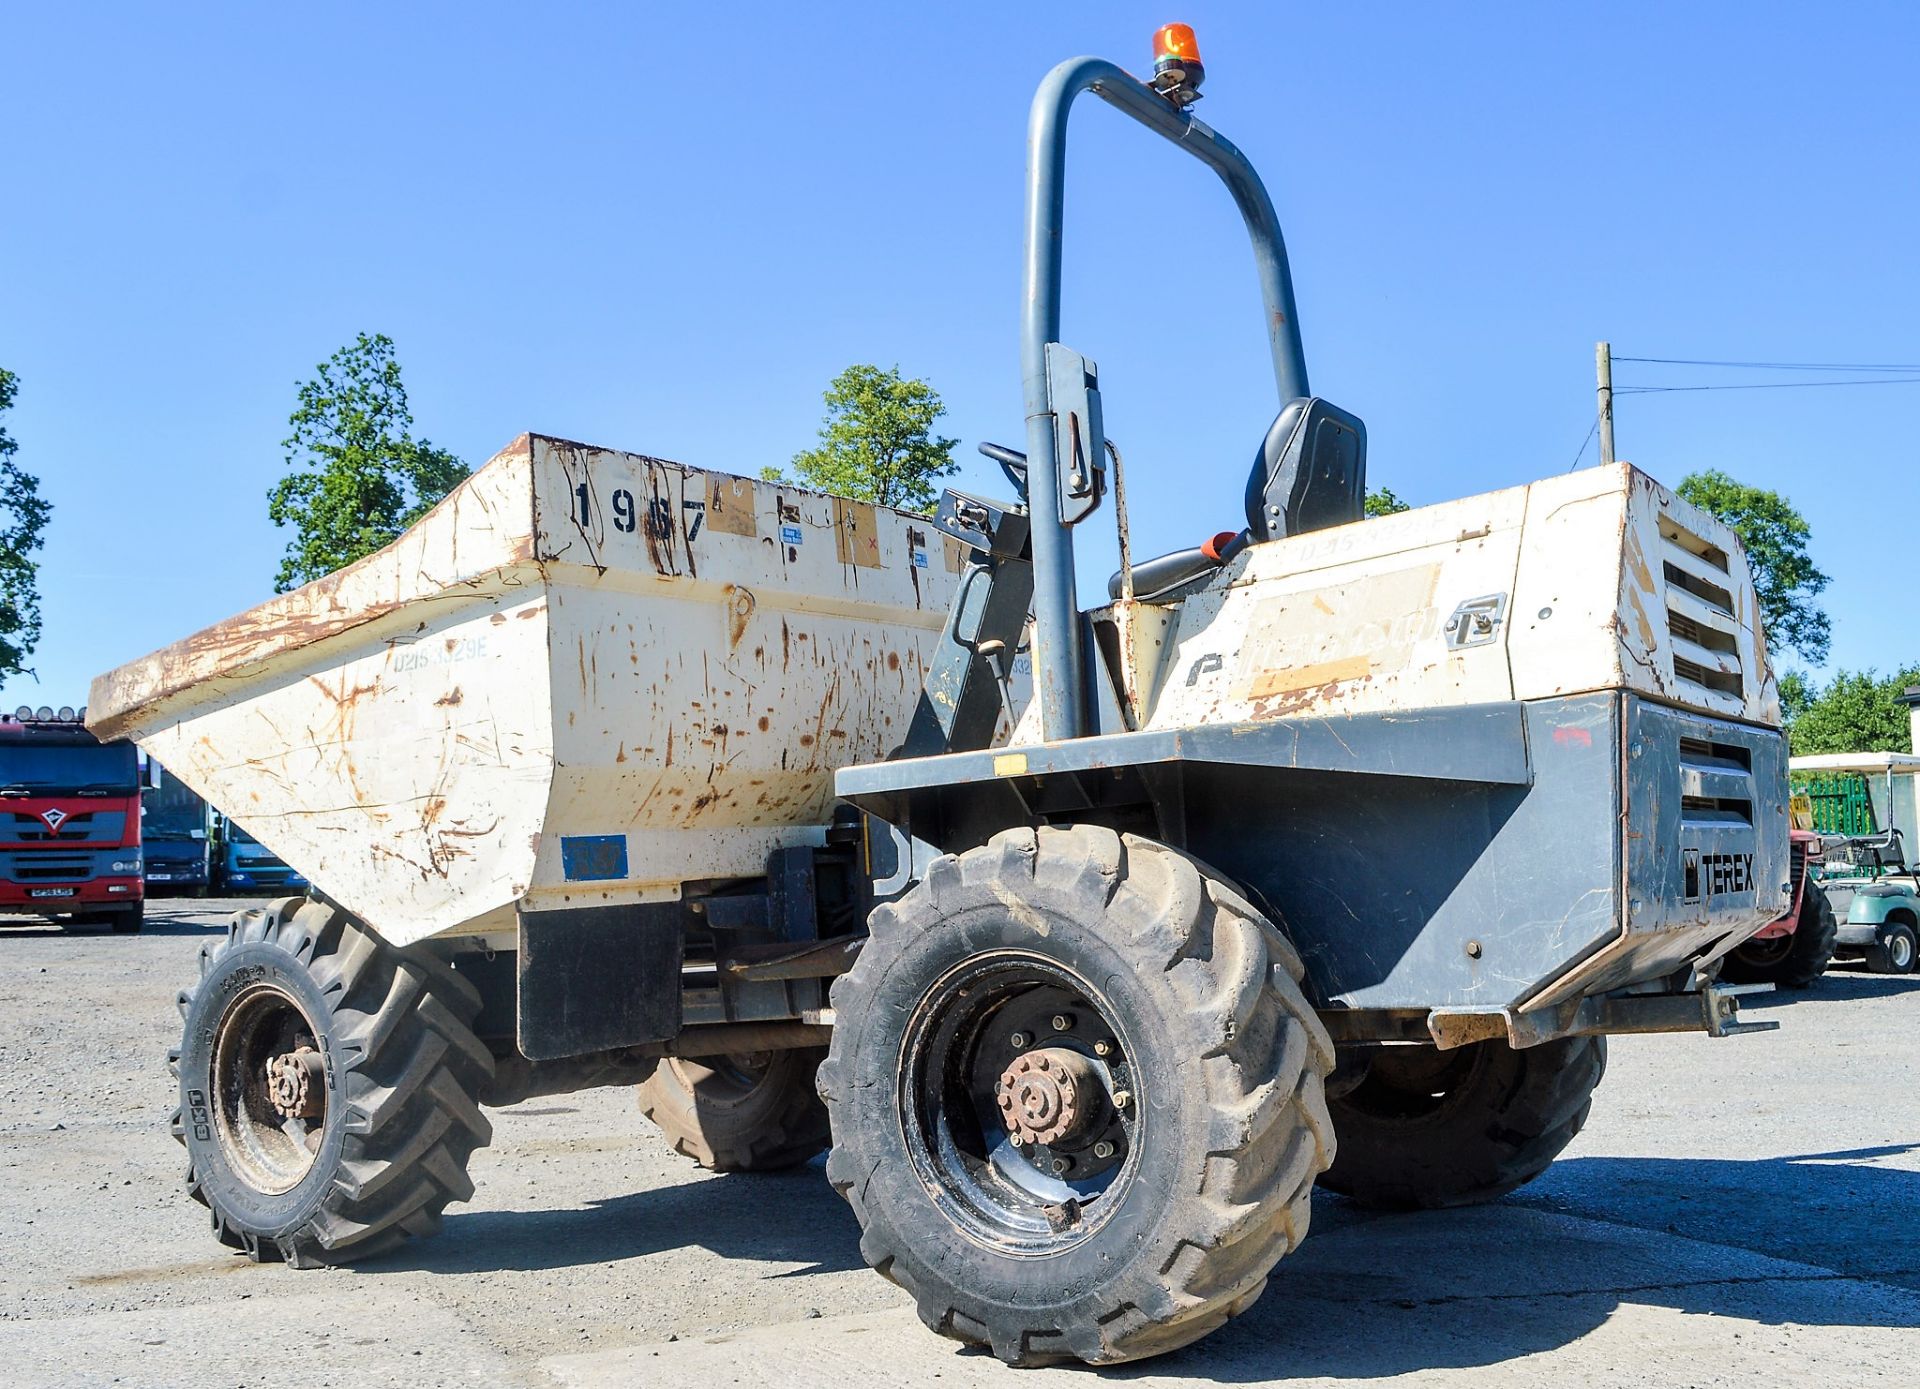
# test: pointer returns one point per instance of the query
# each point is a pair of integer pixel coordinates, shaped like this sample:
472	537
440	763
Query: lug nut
1103	1149
1020	1039
1062	1166
1121	1099
1103	1048
1063	1022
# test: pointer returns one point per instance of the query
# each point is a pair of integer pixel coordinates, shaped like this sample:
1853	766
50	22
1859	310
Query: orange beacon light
1177	69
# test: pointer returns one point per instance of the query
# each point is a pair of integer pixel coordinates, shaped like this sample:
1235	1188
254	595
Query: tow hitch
1714	1009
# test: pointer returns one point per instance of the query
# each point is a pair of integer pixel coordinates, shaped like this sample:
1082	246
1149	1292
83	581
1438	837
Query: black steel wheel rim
1023	1198
1415	1083
269	1150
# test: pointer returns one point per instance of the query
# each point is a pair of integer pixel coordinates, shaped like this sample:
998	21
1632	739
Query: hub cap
269	1084
297	1082
1019	1091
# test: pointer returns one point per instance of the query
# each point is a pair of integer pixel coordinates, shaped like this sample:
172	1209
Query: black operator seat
1310	473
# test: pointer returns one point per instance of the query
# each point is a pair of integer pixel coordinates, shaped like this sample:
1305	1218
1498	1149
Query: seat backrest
1310	473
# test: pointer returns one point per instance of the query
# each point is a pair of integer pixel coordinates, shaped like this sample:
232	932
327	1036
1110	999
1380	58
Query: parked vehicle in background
1795	950
176	835
245	866
1867	875
69	821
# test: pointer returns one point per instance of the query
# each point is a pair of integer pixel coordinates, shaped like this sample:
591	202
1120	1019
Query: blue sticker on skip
790	535
919	559
586	858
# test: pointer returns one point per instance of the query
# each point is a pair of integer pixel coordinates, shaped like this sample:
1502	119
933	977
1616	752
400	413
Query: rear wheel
1429	1128
746	1113
1077	1097
1792	961
1893	951
328	1086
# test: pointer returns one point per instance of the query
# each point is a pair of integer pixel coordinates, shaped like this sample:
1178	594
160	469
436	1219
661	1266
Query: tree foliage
877	442
356	476
1776	538
1855	712
23	522
1382	502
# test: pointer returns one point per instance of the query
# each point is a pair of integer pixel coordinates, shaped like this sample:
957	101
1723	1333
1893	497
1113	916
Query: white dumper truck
1328	851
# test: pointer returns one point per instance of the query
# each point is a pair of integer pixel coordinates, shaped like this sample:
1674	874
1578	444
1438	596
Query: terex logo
55	817
1714	875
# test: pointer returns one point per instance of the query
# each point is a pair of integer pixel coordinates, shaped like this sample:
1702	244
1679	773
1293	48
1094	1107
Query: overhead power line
1776	366
1768	385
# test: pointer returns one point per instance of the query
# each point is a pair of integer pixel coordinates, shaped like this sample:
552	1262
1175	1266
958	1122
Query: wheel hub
1048	1096
296	1083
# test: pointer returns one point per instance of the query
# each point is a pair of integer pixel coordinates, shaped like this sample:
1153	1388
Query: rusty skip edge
501	540
127	700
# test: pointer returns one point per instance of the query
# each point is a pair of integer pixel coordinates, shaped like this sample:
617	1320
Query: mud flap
596	978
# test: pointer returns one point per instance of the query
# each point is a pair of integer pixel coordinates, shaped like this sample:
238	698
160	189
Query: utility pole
1603	369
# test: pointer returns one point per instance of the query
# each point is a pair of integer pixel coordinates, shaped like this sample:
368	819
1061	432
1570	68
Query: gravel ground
1737	1211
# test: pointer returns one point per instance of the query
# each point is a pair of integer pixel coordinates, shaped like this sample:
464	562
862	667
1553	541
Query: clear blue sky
664	228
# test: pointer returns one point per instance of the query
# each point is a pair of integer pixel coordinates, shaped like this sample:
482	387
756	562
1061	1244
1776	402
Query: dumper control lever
1012	462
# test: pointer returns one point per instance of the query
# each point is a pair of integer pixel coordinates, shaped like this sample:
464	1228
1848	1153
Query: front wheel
1893	952
328	1086
1431	1128
1077	1097
127	921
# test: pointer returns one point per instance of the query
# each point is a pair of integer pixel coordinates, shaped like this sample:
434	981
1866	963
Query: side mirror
149	775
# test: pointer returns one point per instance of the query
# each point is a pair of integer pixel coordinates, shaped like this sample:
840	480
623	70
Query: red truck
69	821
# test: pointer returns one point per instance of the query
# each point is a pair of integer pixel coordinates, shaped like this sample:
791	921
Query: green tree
1382	502
1796	696
1856	712
356	476
877	442
23	520
1775	537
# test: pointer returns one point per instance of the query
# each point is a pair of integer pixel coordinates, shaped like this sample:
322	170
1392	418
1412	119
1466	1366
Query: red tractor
1795	950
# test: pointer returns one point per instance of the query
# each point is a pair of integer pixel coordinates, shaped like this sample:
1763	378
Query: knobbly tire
1140	1029
328	1086
1792	961
751	1113
127	921
1430	1128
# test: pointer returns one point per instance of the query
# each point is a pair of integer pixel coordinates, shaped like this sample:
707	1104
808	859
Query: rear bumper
66	897
263	879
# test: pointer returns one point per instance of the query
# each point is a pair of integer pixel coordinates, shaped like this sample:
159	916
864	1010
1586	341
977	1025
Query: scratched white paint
681	665
1353	619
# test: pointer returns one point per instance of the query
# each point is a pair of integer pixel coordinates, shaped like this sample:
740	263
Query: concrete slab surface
1737	1212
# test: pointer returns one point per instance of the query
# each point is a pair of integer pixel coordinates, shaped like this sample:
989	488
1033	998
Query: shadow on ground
1814	1240
779	1217
1373	1295
1842	981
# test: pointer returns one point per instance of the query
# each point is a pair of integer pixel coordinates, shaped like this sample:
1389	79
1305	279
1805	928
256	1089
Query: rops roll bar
1058	660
